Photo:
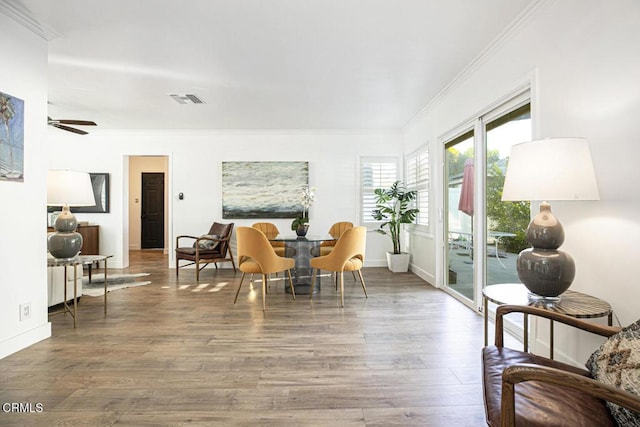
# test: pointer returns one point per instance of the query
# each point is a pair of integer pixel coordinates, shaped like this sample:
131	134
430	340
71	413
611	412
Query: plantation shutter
375	173
418	180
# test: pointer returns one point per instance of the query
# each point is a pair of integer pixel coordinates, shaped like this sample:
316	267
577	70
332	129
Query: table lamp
544	170
67	188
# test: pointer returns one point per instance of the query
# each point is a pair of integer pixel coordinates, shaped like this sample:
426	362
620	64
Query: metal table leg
105	286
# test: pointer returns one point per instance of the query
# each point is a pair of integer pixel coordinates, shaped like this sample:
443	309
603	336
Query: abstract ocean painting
11	138
263	189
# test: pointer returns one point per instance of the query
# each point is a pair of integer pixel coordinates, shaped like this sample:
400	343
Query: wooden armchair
523	389
212	247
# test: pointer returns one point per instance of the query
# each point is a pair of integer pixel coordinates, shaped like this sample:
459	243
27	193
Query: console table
571	303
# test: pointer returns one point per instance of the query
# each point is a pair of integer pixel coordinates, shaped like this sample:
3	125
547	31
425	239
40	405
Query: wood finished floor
176	352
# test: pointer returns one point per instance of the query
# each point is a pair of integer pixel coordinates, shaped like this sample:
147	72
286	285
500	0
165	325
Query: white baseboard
25	339
424	275
375	262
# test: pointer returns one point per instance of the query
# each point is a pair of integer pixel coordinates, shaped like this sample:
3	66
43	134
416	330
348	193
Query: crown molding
125	132
505	35
22	16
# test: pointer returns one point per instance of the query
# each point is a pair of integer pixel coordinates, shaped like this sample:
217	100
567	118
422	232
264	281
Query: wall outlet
25	311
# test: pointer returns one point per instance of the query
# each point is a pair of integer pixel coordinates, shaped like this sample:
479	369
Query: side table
78	260
90	260
66	263
572	303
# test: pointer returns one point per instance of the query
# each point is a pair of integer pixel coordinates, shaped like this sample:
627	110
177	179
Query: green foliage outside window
511	217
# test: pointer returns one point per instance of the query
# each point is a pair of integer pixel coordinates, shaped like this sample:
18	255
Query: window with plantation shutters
375	172
417	167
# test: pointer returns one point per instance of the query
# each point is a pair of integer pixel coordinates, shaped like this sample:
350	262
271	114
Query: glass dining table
302	249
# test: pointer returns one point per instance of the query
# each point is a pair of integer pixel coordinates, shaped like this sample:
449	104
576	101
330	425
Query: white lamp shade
551	169
69	188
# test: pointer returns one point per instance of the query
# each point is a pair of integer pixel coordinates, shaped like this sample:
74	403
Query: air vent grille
186	98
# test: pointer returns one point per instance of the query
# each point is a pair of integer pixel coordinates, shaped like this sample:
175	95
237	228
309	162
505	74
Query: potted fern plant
394	207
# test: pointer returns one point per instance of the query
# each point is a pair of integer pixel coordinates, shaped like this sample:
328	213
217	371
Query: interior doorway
152	211
148	203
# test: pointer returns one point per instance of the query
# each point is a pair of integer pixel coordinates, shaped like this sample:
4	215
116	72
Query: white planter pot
398	263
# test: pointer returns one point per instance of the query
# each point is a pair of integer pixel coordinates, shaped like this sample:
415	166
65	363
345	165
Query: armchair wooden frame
523	372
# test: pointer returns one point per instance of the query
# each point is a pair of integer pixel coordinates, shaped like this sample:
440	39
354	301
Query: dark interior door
152	220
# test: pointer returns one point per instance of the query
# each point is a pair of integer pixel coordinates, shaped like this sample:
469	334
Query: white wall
195	160
582	58
23	250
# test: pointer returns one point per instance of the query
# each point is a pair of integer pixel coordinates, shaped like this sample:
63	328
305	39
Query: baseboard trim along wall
25	339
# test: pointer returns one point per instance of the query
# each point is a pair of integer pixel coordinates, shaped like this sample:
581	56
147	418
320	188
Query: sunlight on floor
200	287
218	287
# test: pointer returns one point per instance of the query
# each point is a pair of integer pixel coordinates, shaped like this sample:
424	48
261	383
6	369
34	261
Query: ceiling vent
186	98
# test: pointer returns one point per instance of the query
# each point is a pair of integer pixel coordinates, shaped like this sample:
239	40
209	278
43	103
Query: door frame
477	123
479	216
126	191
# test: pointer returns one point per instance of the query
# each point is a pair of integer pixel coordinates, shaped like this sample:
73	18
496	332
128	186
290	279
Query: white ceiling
259	64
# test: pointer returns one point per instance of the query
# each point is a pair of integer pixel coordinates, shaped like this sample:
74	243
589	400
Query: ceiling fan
61	124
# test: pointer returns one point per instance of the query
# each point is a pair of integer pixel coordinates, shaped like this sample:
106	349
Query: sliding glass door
459	171
483	234
506	221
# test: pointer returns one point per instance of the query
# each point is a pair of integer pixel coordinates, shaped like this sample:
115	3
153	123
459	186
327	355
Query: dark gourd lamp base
543	269
65	243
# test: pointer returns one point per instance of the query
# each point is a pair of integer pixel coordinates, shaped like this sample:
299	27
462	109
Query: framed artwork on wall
263	189
100	184
11	138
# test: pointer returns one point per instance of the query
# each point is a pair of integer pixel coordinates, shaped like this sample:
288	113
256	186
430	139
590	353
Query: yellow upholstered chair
347	255
257	256
270	230
335	231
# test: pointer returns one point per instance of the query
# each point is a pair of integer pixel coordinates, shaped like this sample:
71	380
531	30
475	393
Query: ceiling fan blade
69	129
76	122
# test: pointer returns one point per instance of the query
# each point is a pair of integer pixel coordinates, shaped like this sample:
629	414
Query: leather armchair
524	389
212	247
